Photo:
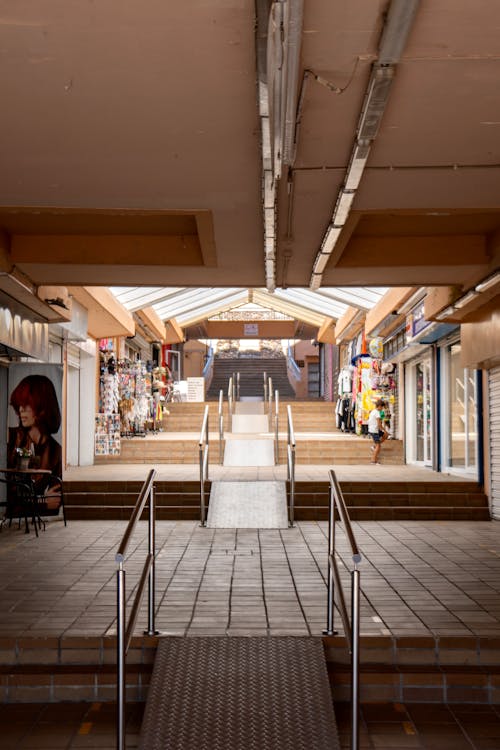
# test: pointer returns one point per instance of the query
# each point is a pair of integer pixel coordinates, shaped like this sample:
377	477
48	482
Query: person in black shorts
376	430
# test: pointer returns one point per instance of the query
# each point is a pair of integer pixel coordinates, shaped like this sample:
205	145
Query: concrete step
368	501
405	669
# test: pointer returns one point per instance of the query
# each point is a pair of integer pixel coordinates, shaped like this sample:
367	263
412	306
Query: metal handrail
265	387
221	425
269	396
276	427
230	404
290	463
124	631
352	626
203	456
234	381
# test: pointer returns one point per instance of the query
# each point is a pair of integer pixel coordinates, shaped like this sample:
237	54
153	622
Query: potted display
23	458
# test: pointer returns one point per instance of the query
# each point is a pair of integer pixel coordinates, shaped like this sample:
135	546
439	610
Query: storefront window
463	417
423	411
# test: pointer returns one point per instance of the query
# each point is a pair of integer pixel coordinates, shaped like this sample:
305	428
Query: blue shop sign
418	322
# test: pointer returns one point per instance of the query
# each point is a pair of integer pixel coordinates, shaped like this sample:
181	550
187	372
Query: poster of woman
35	420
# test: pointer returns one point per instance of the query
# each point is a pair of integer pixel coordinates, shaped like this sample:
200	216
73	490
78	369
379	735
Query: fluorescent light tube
488	283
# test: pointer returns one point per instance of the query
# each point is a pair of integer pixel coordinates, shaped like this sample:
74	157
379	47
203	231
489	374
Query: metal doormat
236	693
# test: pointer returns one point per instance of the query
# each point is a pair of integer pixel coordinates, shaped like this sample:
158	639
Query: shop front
461	393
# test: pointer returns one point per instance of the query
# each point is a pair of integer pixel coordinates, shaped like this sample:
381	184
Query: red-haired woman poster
35	403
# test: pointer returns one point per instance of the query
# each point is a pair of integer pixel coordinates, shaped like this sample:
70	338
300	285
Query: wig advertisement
35	420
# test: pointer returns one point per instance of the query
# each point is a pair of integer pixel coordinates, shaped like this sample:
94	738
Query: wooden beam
150	318
106	316
133	250
439	250
326	333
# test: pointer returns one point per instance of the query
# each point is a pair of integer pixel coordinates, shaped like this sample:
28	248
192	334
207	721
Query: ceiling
190	306
132	147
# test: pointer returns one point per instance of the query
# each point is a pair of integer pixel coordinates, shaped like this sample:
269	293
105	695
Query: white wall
87	403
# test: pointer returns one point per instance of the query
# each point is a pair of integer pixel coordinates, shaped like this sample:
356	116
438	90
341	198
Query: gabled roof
190	305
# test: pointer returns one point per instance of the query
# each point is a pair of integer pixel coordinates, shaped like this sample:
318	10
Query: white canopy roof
189	305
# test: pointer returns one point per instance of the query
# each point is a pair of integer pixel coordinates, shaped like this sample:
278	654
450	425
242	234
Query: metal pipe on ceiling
393	39
278	76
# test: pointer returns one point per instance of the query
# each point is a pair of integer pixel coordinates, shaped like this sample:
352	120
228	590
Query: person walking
376	430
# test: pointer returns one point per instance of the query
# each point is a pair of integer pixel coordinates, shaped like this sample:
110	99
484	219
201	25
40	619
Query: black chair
20	501
50	497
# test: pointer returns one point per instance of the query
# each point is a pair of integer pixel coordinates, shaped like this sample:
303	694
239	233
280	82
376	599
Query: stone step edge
470	651
334	668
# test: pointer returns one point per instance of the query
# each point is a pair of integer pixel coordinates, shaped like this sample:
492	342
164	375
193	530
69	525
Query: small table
30	473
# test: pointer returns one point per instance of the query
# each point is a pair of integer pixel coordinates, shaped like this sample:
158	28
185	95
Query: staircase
366	500
251	371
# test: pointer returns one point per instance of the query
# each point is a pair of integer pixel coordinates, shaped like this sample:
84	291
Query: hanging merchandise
107	421
376	347
136	406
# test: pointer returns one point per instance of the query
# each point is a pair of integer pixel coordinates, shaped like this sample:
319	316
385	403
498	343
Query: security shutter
73	354
494	430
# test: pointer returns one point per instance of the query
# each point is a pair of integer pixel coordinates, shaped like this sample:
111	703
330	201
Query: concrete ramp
251	452
222	693
247	505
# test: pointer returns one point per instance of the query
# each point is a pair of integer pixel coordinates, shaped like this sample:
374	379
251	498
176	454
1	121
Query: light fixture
446	313
394	36
356	167
321	262
463	301
330	239
343	207
488	283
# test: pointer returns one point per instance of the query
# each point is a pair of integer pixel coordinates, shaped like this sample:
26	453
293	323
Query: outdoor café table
23	481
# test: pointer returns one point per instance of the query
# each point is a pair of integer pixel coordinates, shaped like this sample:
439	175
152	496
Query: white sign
196	389
250	329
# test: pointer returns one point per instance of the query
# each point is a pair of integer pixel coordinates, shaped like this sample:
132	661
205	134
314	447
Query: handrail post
151	578
276	428
230	404
120	658
221	423
202	490
203	449
291	463
355	660
330	606
265	387
292	487
237	386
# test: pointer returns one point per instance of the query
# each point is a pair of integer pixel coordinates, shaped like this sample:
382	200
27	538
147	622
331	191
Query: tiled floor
303	472
384	726
417	578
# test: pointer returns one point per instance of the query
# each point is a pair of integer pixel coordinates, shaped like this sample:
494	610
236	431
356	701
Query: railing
208	369
235	386
265	387
291	463
230	402
276	427
221	425
124	631
269	396
351	628
292	365
203	454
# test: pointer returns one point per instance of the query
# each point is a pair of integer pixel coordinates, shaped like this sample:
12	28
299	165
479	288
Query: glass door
462	421
423	423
